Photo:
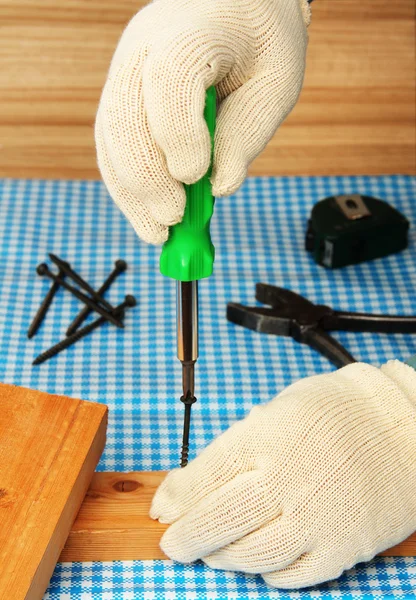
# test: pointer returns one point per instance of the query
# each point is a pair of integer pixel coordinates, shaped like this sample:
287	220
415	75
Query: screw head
120	265
42	269
130	300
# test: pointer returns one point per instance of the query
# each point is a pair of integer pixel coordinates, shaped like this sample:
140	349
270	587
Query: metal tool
71	339
188	256
44	307
80	281
119	267
294	316
43	269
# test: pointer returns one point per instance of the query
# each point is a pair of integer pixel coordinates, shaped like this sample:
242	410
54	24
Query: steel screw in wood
188	401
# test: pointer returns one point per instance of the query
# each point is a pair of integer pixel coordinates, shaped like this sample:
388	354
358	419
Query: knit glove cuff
404	376
306	11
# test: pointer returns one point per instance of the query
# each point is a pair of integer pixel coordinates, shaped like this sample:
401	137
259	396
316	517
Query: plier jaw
292	315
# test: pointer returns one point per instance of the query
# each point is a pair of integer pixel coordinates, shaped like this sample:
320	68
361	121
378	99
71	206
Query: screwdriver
188	256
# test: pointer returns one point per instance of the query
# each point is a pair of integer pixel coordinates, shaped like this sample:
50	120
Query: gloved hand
322	477
150	130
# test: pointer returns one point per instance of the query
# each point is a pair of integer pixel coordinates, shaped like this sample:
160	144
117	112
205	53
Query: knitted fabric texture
319	479
150	132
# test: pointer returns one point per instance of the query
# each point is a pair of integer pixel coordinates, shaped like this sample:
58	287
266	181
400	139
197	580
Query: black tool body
294	316
351	228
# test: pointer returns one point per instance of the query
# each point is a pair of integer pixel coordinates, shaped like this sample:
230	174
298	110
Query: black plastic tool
71	339
43	269
352	228
293	315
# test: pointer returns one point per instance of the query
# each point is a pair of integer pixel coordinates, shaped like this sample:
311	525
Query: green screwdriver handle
188	254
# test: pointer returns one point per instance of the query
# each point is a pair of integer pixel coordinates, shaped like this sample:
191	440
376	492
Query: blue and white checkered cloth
259	236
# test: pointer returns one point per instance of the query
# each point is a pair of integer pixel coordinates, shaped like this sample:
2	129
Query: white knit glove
319	479
150	130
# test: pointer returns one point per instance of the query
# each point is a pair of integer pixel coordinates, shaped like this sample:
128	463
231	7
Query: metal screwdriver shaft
43	269
71	339
120	266
187	344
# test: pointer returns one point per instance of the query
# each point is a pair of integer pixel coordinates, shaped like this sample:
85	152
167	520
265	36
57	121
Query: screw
81	282
120	266
71	339
43	269
43	308
188	400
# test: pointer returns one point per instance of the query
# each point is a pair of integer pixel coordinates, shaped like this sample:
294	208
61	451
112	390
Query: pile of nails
94	302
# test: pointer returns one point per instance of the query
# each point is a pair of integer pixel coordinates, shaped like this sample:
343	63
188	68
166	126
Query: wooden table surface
356	114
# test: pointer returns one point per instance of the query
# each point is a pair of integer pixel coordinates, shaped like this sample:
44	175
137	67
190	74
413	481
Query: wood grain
356	114
114	524
49	448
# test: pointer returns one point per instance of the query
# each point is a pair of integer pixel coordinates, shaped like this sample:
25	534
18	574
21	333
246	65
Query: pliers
294	316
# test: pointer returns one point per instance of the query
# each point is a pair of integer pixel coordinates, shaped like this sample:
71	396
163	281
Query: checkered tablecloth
259	236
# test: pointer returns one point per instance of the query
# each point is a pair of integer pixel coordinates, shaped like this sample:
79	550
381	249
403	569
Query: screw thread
75	337
184	455
71	339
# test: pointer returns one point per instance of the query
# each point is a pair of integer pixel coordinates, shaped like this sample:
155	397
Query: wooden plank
114	524
356	114
49	448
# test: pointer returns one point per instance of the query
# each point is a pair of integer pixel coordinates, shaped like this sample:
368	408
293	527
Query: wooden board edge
45	569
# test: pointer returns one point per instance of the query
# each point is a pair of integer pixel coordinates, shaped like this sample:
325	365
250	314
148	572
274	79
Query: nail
44	270
71	339
80	281
43	308
120	266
